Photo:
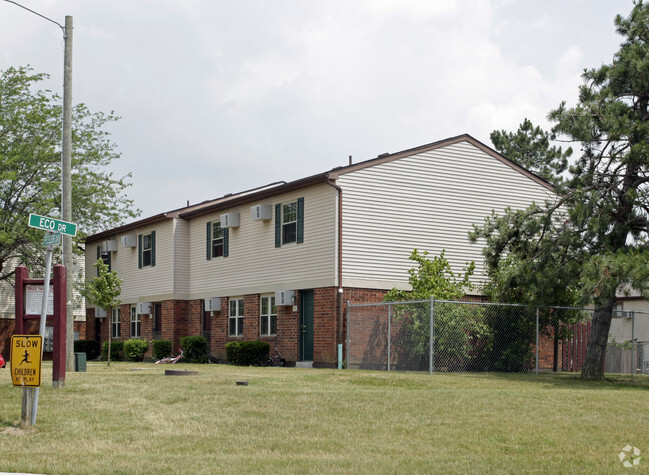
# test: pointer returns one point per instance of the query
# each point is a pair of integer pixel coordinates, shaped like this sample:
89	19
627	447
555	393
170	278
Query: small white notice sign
34	300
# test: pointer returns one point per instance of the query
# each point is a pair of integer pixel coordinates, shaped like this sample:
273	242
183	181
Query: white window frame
116	322
235	316
217	240
147	251
289	224
136	323
268	315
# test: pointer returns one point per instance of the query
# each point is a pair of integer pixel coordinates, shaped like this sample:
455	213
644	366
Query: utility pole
66	189
66	177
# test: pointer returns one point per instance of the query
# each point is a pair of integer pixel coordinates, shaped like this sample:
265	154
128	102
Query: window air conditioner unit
213	304
262	212
144	308
130	240
284	297
100	312
230	220
109	246
626	314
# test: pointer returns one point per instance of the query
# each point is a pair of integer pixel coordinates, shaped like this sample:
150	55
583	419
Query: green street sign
51	224
52	239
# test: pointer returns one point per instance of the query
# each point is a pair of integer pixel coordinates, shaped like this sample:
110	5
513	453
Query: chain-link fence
443	336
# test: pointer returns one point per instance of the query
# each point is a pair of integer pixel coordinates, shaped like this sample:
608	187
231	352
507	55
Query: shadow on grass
571	380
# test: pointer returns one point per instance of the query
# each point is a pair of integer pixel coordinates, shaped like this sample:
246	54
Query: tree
530	258
103	291
30	174
601	216
456	330
530	147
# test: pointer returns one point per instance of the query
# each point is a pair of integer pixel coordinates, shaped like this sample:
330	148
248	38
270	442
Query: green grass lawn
130	418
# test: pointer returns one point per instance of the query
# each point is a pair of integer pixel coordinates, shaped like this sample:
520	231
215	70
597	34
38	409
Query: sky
222	96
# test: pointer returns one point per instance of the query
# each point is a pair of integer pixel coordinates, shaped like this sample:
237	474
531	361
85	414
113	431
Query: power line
36	13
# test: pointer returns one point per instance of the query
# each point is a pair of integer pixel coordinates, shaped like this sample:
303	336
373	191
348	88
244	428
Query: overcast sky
221	96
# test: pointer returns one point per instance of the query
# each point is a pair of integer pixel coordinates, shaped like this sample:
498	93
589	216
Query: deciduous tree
30	168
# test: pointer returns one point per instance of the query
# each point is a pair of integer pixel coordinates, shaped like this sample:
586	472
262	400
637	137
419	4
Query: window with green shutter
289	222
146	250
217	240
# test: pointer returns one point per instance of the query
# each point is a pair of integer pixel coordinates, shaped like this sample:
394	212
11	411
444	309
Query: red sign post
58	317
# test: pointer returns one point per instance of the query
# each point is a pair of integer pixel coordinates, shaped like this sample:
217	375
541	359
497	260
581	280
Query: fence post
537	340
431	362
389	334
633	343
347	346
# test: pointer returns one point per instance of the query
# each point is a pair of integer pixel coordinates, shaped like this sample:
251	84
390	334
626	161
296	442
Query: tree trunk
593	368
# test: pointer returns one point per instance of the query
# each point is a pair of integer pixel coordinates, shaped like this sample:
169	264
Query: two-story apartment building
278	263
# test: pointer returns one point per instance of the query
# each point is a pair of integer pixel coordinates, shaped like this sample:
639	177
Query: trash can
80	362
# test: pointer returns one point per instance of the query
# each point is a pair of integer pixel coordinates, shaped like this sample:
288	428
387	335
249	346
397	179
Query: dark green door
306	325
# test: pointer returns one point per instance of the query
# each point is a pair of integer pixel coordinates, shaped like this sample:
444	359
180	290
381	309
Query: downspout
339	313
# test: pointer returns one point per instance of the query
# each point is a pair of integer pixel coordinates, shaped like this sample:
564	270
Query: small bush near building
195	349
134	349
116	351
90	347
161	349
246	353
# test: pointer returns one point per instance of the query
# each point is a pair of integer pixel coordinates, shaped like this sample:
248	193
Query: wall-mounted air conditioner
109	246
213	304
262	212
130	240
284	297
144	308
230	220
100	312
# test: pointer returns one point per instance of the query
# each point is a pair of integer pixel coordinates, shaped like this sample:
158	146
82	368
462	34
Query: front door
306	325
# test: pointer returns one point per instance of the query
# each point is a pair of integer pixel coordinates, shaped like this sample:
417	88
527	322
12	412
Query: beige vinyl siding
180	258
149	283
254	264
7	299
427	201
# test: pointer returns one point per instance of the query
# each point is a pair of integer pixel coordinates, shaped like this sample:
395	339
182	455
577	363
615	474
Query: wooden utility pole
66	191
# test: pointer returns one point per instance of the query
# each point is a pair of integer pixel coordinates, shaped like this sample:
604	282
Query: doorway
306	325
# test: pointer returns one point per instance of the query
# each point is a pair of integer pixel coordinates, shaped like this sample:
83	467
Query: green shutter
208	250
278	225
98	256
139	251
152	248
300	220
226	242
109	261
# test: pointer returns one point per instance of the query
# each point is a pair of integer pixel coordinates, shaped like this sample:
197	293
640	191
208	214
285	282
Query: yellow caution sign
26	351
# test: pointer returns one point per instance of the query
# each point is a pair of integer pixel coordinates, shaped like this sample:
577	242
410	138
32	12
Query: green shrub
246	353
134	349
195	349
161	349
90	347
116	351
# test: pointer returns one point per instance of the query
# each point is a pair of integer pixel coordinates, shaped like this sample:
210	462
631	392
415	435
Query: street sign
51	224
52	239
26	353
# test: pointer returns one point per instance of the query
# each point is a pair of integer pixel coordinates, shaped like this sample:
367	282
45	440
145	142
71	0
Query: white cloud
219	96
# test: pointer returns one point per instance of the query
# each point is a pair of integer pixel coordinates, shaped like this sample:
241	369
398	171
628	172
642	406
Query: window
289	222
135	323
268	321
116	323
146	249
236	317
217	240
157	319
104	256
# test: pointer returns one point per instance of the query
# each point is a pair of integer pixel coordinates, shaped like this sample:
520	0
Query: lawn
130	418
